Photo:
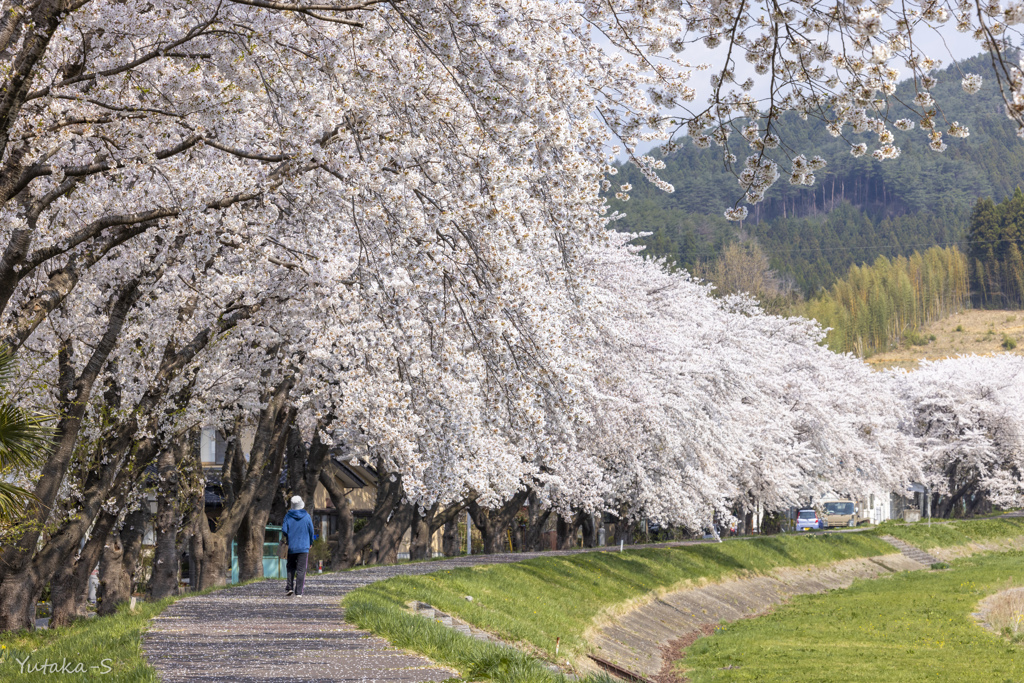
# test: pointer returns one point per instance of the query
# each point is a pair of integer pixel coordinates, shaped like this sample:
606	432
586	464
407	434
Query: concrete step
912	552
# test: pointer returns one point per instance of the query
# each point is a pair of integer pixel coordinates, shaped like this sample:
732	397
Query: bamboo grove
882	304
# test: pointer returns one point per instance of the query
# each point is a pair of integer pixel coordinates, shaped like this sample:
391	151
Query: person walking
298	532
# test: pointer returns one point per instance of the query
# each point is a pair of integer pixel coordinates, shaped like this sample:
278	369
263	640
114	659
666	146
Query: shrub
1009	343
320	551
915	339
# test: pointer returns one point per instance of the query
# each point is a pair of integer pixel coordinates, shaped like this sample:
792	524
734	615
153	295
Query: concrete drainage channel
632	646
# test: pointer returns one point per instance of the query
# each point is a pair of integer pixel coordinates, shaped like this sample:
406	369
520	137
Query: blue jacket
298	527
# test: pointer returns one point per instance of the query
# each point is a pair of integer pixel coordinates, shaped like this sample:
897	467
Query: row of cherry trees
380	226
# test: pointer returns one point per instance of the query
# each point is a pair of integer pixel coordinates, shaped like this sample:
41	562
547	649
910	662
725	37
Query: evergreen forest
994	242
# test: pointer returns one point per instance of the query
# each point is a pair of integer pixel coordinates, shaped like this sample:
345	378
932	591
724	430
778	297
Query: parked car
841	512
809	518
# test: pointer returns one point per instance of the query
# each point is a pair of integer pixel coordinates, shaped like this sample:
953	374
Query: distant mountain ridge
858	209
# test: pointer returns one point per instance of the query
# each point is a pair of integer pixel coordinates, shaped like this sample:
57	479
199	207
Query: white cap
297	503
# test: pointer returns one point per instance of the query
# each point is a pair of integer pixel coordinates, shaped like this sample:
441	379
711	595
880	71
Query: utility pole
928	503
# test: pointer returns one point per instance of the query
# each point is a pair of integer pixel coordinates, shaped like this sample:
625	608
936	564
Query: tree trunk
387	506
948	504
196	550
70	585
537	518
164	579
494	523
419	542
67	597
250	539
589	531
387	541
566	531
115	585
771	523
979	505
253	529
450	544
18	596
132	534
215	569
625	526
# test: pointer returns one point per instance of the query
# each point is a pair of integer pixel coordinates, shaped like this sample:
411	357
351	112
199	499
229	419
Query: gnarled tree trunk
70	585
535	526
261	475
589	531
132	533
164	580
494	523
450	545
425	526
419	542
565	529
115	584
389	538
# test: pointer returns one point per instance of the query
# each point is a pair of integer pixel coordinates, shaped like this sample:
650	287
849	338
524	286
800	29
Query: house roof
353	476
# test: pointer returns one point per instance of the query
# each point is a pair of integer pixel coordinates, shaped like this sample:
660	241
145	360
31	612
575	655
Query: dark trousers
296	571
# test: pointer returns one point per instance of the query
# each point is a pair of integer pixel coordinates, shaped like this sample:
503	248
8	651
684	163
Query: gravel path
255	633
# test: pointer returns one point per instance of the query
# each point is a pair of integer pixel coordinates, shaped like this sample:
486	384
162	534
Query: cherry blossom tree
967	415
707	404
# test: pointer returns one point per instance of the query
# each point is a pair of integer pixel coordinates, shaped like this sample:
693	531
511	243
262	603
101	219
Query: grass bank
105	649
535	602
909	627
949	534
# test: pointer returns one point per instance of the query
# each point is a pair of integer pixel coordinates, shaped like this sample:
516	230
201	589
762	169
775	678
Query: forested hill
858	209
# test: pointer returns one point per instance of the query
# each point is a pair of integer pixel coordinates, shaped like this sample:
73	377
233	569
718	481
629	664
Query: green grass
529	603
534	602
114	641
108	648
912	626
944	535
